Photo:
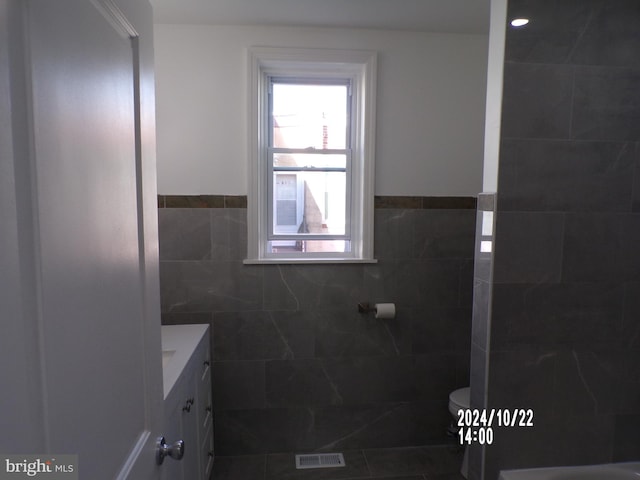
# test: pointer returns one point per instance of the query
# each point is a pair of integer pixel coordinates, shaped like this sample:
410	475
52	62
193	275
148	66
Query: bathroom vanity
186	366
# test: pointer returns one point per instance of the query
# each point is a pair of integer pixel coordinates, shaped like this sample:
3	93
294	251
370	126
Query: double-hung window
311	155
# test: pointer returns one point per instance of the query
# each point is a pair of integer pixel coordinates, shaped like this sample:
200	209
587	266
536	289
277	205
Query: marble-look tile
300	383
184	234
606	104
553	33
353	334
482	298
603	48
534	173
228	234
629	395
609	242
631	316
576	325
477	377
537	101
483	265
581	439
563	438
297	367
431	419
564	314
528	247
271	430
430	283
393	233
245	467
413	477
239	385
588	381
262	335
610	36
515	448
368	380
463	368
522	378
635	202
467	269
282	467
438	330
363	426
298	331
210	286
626	447
435	378
380	280
308	287
446	476
431	461
444	234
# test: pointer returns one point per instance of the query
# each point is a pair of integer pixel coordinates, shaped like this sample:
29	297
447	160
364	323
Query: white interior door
93	235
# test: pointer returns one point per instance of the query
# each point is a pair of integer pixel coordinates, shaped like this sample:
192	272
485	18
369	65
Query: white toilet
461	399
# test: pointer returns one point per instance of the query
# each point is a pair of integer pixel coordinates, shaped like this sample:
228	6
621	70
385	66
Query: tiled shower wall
565	322
296	367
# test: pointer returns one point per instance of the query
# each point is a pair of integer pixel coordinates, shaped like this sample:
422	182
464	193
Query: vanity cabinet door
189	416
205	414
189	411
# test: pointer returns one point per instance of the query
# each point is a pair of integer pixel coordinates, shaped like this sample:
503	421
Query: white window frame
360	67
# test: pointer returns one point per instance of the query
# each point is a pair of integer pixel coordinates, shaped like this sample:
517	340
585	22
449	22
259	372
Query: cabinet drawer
202	360
205	406
206	452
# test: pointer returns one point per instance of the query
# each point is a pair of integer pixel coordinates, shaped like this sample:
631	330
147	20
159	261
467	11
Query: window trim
358	65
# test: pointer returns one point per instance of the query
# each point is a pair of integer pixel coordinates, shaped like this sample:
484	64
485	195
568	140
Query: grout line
265	467
366	462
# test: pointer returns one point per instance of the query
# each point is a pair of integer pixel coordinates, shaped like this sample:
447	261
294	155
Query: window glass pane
309	160
309	116
309	202
326	246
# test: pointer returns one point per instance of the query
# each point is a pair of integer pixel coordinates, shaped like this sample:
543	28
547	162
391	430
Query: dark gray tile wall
565	317
296	367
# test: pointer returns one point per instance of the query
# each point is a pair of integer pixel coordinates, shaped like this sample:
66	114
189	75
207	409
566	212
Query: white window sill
275	261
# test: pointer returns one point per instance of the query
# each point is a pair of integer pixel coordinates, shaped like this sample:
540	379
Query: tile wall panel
563	316
296	367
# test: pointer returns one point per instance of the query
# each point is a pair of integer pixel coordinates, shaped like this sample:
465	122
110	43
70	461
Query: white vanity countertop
182	340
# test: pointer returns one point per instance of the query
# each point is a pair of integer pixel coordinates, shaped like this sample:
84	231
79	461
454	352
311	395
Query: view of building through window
310	156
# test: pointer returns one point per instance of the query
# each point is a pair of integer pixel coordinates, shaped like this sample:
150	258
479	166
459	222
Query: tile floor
411	463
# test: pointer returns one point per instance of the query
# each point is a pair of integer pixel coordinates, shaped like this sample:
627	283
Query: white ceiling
442	16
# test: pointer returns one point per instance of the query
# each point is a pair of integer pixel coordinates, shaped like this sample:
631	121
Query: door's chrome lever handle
175	450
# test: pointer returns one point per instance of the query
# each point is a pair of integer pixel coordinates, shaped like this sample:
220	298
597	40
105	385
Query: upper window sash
319	81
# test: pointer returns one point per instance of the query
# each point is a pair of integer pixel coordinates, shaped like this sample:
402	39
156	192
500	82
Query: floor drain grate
320	460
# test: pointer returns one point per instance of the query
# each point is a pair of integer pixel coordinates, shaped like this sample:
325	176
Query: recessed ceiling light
519	22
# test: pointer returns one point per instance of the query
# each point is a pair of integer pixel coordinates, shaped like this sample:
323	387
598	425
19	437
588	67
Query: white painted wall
430	112
493	121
